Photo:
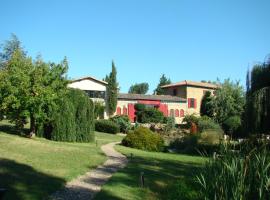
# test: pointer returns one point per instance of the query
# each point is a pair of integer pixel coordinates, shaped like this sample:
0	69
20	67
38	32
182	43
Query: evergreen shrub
106	126
123	122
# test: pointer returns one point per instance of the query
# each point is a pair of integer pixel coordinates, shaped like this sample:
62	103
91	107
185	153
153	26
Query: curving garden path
88	185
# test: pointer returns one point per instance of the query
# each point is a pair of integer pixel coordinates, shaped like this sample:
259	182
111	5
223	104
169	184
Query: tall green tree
28	90
229	101
112	90
9	48
257	112
207	106
162	81
139	88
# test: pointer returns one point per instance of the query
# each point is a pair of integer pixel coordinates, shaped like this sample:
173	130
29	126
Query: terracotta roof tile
89	78
192	83
151	97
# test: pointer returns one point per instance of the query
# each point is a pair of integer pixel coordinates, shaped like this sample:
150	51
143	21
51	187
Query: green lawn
162	171
34	168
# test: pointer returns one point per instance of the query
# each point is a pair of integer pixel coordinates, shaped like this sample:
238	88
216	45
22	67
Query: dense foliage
143	138
237	175
207	107
112	90
72	120
123	122
139	88
99	110
29	89
257	115
106	126
162	81
229	101
148	114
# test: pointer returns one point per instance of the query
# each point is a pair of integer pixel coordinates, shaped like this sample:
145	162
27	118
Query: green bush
123	122
170	123
143	138
99	110
139	107
151	115
205	123
73	120
205	143
106	126
232	124
189	119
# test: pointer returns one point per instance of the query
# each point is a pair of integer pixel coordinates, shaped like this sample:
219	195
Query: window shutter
195	103
188	102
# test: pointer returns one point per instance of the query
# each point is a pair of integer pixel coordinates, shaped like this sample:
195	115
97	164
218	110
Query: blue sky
184	39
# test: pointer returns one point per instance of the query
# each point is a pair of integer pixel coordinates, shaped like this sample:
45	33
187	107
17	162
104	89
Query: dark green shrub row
143	138
106	126
72	119
123	122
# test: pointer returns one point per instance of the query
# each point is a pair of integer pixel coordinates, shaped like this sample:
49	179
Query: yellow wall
197	93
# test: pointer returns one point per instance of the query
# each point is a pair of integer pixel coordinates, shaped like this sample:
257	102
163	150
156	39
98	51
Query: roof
191	83
151	97
89	78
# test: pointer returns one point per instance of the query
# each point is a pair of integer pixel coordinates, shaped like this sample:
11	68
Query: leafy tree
207	107
112	90
9	48
139	88
229	101
257	110
162	81
14	88
29	89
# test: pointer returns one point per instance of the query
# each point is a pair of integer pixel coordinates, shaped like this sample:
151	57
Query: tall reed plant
242	174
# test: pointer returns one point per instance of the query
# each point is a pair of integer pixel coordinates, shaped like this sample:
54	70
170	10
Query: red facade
131	112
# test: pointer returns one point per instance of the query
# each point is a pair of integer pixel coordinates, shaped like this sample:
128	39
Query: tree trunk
32	125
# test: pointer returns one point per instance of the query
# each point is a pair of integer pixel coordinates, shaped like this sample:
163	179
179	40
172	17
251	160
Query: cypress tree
112	91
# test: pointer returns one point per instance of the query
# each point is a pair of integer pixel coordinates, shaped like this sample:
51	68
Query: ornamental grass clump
237	174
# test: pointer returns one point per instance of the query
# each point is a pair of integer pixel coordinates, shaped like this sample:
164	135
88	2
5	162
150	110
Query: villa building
180	98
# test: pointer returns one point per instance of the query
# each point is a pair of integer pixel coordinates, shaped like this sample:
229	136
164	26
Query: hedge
106	126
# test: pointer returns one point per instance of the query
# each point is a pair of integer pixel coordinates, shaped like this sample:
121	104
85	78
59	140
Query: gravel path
88	185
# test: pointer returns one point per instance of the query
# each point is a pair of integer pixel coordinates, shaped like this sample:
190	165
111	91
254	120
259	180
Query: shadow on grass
23	182
11	129
159	175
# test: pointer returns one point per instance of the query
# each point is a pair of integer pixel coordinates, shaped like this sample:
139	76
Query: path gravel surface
87	186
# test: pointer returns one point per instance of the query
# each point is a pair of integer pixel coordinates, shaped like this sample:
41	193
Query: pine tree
112	91
162	81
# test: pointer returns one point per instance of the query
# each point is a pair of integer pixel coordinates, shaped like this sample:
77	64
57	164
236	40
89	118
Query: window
182	113
176	113
95	94
192	103
118	111
174	92
171	113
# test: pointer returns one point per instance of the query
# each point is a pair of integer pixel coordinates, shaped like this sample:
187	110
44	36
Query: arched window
171	113
124	110
182	113
118	111
176	113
